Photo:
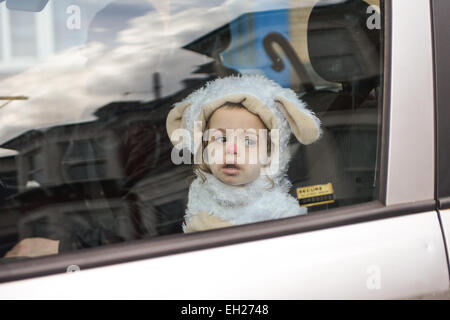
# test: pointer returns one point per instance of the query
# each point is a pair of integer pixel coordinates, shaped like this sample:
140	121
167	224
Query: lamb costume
214	204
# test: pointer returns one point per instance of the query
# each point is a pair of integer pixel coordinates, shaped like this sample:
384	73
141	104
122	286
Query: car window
86	88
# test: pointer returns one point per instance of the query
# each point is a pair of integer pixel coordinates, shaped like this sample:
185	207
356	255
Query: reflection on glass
23	34
1	34
98	104
35	168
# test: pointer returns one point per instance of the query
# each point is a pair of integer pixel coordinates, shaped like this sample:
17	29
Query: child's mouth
231	169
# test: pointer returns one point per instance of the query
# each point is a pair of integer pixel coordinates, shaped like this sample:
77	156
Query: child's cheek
214	154
263	159
252	173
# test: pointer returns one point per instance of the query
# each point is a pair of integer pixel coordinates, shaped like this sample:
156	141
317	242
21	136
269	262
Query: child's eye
250	141
221	139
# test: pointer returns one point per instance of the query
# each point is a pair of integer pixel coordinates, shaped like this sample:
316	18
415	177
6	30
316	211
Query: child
246	122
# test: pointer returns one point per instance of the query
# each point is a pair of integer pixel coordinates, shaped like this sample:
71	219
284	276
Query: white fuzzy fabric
257	201
255	85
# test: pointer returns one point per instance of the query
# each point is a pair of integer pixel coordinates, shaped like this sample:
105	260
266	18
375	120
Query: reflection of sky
246	52
125	45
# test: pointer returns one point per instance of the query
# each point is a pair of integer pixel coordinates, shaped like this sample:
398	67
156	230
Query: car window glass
86	87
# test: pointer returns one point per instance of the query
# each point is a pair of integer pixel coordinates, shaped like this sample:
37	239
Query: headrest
342	48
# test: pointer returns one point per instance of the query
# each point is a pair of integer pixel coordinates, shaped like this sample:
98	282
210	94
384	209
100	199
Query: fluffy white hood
278	107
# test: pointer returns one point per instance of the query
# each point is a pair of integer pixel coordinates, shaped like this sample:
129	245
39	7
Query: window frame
441	30
173	244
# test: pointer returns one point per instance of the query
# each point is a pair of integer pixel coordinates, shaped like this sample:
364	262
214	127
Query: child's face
236	138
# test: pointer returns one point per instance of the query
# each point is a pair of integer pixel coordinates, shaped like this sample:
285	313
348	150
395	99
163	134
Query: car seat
343	50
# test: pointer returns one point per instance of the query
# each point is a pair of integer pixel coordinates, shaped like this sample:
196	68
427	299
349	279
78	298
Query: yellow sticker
315	195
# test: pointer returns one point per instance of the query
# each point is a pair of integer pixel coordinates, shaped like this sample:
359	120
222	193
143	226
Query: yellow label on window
315	195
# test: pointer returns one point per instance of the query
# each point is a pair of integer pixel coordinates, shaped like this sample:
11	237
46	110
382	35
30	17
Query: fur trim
257	201
277	107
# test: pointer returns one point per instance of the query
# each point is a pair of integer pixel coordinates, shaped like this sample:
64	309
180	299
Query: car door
379	238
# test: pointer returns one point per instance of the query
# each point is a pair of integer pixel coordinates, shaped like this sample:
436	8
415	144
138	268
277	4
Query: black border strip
132	251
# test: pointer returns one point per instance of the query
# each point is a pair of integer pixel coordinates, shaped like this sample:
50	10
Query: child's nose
231	148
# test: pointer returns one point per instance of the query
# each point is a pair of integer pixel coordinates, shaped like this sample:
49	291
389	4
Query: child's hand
206	221
33	247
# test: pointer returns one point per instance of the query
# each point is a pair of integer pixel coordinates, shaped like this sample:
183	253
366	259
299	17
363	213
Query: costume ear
175	119
304	125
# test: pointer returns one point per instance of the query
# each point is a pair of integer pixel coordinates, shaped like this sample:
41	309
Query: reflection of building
8	187
55	155
98	171
8	176
88	151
